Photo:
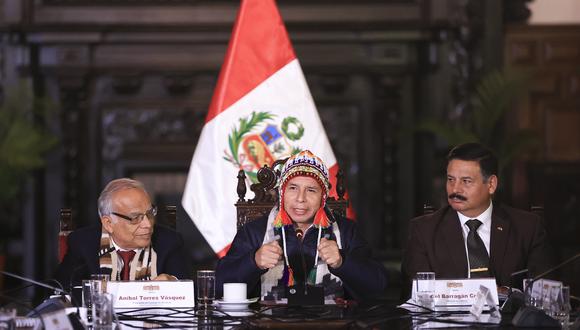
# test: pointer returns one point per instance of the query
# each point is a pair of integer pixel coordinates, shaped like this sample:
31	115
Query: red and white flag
261	111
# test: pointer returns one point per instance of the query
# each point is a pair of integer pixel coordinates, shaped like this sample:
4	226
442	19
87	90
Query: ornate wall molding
142	125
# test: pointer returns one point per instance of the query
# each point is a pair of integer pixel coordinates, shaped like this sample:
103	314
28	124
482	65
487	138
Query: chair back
428	209
66	226
266	194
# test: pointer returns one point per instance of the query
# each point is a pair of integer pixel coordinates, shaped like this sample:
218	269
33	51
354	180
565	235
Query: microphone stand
300	236
58	290
562	264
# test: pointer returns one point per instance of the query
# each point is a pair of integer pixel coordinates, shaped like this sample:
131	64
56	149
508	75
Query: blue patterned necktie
478	257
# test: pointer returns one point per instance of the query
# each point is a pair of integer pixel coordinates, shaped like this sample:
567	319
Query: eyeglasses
136	219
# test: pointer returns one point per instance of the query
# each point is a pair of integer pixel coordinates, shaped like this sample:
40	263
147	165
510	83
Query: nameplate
461	292
140	294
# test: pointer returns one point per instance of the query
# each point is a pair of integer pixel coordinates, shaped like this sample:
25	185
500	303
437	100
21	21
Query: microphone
515	298
555	268
49	305
305	295
299	234
55	289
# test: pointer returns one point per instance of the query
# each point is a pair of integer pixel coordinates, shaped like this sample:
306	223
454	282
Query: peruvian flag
261	111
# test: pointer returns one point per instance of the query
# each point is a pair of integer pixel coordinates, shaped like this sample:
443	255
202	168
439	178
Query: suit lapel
500	228
453	238
93	251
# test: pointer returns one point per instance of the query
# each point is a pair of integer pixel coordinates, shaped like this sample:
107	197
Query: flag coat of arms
261	110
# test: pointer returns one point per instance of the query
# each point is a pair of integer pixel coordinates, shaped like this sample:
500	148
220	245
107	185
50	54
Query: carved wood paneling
552	54
562	132
551	176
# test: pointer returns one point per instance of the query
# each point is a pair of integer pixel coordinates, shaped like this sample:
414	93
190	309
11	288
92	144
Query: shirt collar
118	248
484	217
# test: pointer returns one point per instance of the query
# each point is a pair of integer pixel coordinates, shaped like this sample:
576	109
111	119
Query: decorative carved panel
562	133
552	54
550	177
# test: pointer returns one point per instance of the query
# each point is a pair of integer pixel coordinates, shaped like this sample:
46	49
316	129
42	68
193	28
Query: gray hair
105	200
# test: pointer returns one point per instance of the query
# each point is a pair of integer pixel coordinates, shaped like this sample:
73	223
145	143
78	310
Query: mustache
460	197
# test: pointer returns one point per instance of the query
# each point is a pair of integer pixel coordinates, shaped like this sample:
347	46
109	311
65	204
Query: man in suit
126	243
473	237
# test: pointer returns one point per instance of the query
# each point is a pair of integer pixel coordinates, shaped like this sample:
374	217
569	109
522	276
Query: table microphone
303	294
515	299
55	289
555	268
49	305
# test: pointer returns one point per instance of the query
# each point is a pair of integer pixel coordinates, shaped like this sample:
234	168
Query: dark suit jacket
435	243
362	277
83	246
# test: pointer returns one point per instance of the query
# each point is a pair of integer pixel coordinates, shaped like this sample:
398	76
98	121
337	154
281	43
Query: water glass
562	307
99	283
7	319
425	284
86	294
205	287
86	301
102	311
532	298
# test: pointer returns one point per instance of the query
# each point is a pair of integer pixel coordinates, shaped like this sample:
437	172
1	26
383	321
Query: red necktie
127	256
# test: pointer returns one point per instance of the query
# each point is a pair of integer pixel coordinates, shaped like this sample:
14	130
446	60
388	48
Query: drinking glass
86	294
102	311
532	296
205	287
99	283
562	307
425	284
87	299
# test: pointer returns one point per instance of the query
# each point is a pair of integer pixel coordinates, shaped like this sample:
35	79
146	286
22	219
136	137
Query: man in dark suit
126	244
472	236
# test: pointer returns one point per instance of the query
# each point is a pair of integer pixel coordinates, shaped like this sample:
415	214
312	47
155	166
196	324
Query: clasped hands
269	254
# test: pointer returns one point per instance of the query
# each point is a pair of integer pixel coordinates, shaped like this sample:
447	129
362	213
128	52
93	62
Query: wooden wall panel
551	107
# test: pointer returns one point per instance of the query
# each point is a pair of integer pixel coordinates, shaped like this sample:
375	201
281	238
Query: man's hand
328	252
268	255
165	277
